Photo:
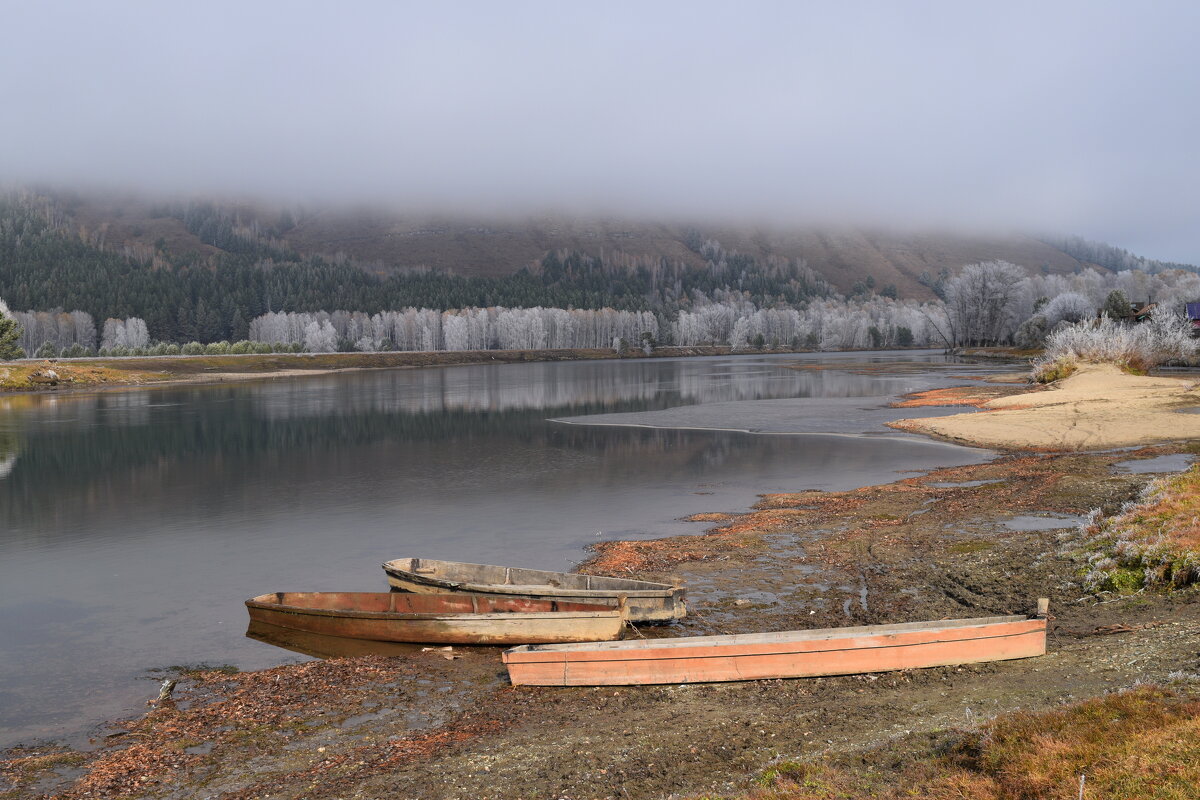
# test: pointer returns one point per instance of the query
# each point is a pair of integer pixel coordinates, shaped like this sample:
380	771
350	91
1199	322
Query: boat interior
458	572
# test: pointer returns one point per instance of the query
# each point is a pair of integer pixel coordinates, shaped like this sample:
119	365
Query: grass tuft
1153	542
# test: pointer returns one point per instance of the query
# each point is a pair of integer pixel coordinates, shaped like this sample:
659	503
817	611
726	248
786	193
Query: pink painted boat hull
790	654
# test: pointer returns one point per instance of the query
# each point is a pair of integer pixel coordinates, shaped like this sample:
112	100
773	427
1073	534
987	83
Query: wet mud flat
419	724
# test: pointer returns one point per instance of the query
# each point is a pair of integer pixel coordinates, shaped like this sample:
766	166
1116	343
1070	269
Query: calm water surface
134	523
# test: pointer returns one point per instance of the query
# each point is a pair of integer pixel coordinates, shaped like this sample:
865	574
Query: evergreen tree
10	333
1116	305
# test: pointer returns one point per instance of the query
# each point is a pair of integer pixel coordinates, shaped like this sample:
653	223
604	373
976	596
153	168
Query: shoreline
883	553
929	546
138	372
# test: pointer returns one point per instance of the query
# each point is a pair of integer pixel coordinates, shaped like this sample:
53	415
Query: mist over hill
383	241
199	270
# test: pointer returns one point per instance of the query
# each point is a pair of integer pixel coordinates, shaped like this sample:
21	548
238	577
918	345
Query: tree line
46	263
259	296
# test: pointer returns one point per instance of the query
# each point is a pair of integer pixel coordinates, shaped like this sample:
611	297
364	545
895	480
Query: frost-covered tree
982	302
320	337
136	333
113	334
1068	307
127	334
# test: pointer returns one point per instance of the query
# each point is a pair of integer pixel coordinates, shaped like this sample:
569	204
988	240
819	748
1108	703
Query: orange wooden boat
439	618
788	654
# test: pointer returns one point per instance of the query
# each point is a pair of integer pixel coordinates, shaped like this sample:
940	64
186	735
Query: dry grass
1132	745
23	377
1155	541
1056	370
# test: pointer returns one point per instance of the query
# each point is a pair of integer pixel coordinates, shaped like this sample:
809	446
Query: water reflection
320	646
134	524
143	453
9	448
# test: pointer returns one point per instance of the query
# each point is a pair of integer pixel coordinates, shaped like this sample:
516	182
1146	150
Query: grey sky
1073	116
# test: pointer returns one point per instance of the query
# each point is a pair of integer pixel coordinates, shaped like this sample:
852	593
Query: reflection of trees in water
10	447
89	435
162	471
207	449
90	452
549	388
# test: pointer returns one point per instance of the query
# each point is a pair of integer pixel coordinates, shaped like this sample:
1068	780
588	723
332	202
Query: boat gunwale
256	603
771	653
770	638
650	588
529	590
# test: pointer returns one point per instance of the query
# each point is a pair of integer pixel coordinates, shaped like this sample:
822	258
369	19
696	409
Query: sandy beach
1097	407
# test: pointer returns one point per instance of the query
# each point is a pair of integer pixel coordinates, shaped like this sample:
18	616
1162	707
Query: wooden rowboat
439	618
646	601
789	654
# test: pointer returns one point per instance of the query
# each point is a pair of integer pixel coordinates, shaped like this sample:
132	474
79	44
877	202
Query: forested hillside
121	273
386	241
48	260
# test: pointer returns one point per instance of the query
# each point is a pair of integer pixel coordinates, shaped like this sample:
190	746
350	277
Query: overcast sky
1079	117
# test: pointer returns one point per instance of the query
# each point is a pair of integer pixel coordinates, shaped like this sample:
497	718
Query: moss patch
966	548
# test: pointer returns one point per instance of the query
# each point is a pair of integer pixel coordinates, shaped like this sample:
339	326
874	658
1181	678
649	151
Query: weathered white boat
788	654
646	601
440	618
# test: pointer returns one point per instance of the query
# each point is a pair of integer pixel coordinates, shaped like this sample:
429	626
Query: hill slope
384	242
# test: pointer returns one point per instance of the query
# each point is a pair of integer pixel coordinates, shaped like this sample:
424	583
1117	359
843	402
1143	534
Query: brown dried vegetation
975	396
1133	745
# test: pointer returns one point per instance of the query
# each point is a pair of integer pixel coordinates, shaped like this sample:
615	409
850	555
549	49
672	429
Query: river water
134	523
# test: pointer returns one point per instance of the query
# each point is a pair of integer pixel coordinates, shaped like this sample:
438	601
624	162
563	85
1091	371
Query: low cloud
1070	116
